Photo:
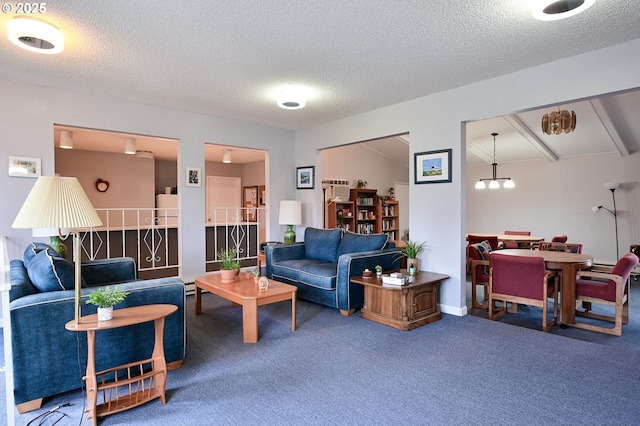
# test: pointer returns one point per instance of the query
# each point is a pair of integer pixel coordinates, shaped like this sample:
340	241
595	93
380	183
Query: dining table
567	265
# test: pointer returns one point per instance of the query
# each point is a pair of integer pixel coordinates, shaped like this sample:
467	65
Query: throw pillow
31	250
358	243
50	272
322	244
483	248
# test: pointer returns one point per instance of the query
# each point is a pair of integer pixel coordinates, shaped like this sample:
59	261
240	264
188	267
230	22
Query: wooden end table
130	385
245	292
403	307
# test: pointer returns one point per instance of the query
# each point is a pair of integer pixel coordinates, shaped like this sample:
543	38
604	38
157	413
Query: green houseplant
229	265
105	298
411	251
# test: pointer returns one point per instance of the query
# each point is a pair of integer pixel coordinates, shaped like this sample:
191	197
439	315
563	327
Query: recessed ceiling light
291	99
35	35
550	10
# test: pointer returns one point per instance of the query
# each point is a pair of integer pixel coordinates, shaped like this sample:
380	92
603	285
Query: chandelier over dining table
494	184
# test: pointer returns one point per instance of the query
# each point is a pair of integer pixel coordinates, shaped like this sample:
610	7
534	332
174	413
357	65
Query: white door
224	199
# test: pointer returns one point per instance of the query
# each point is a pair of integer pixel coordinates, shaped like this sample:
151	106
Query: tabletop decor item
367	273
263	283
256	275
378	270
411	251
105	298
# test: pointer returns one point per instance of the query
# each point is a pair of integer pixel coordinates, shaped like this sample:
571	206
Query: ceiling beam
611	127
478	152
526	133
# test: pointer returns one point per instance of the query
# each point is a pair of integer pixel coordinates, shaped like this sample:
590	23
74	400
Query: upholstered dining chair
513	244
478	254
522	279
559	239
607	286
475	239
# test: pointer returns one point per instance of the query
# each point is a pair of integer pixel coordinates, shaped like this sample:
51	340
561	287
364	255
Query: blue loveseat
322	265
45	354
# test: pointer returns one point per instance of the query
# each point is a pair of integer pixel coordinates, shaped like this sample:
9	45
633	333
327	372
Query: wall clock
102	185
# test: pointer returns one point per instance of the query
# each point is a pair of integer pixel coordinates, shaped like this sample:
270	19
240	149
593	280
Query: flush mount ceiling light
144	154
291	99
226	156
35	35
550	10
66	139
129	146
558	122
494	184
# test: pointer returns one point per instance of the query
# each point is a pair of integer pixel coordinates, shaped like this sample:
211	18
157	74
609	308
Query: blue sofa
45	354
322	265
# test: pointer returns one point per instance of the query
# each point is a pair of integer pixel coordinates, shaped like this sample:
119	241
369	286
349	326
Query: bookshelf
341	215
365	210
389	219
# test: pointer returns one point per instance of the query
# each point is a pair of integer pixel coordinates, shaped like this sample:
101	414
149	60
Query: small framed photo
193	177
433	166
305	177
25	167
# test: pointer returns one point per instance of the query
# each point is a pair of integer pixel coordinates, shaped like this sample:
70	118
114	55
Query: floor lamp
612	186
60	202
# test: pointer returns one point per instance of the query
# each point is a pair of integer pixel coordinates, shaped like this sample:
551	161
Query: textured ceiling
230	58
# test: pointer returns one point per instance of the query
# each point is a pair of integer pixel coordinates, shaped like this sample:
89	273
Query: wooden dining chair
513	244
559	239
609	286
522	279
475	239
479	264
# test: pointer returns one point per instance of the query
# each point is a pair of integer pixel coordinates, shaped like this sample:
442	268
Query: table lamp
60	202
290	214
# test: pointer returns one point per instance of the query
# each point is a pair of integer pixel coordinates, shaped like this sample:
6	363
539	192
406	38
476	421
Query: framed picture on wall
433	166
305	177
24	167
262	193
193	177
250	194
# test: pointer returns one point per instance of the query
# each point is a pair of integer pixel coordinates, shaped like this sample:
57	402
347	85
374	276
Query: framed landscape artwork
433	166
305	177
24	167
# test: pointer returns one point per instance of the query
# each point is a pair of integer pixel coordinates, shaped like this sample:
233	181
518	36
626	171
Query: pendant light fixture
558	122
494	184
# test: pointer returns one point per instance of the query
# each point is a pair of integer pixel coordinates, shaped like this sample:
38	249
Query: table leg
159	362
568	301
198	294
293	311
90	377
250	321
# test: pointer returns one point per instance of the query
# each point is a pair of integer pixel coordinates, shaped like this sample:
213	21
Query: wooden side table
403	307
128	385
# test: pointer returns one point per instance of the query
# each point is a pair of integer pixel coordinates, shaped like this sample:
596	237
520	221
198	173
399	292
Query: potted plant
362	183
411	251
229	265
378	270
105	298
256	275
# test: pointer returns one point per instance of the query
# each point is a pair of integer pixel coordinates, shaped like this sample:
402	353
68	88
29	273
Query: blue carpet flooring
337	370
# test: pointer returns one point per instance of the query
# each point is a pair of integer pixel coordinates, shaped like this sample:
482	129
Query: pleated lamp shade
57	202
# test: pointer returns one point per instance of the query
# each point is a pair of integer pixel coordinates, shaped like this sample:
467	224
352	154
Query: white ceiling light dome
129	146
35	35
291	99
550	10
66	139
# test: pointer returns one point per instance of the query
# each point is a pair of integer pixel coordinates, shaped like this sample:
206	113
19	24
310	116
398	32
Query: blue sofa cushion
322	244
358	243
322	275
20	282
50	272
33	249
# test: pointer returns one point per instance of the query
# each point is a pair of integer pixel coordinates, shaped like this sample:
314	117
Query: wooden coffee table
245	292
403	307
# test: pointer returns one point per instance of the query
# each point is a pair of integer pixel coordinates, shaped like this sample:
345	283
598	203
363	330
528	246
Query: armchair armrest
602	275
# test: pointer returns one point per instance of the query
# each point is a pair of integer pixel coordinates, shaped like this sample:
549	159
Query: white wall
556	198
438	211
28	114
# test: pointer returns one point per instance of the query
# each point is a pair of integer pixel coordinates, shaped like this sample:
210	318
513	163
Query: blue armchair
322	265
